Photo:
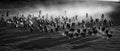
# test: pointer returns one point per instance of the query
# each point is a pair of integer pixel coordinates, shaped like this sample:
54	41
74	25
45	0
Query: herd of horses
71	27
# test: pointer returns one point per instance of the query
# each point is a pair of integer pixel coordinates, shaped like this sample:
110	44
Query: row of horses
55	24
83	32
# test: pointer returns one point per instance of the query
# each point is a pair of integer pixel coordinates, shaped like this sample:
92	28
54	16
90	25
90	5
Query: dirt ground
23	40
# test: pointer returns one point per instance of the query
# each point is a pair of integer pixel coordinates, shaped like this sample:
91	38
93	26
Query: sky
58	7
